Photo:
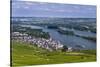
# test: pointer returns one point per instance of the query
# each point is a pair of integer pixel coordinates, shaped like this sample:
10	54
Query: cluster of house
48	44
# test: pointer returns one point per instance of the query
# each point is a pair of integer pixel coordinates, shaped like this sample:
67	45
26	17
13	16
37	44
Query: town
48	44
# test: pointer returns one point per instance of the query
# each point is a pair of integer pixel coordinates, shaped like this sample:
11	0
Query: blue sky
42	9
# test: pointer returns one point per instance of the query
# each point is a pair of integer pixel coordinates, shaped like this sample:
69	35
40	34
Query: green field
24	54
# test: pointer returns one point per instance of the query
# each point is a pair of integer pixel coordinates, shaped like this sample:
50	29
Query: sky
43	9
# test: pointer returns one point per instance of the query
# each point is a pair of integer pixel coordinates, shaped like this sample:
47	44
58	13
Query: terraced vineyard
24	54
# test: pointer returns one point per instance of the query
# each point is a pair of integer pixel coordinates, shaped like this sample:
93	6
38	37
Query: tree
65	48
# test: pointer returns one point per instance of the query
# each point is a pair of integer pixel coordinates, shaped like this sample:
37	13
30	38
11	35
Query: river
69	40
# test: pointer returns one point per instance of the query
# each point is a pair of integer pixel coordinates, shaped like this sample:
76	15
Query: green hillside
26	54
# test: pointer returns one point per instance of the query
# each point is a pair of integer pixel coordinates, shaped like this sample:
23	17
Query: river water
69	40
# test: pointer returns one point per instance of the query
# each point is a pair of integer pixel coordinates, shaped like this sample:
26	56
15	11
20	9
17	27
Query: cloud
26	7
76	7
91	9
61	10
18	7
65	10
48	9
29	3
42	3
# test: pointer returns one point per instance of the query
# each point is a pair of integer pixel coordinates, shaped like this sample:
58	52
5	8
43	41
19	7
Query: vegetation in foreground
24	54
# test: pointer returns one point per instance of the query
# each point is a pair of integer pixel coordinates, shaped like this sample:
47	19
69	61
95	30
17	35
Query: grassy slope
25	54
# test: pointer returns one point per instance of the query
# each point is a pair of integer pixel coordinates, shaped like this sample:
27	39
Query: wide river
69	40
